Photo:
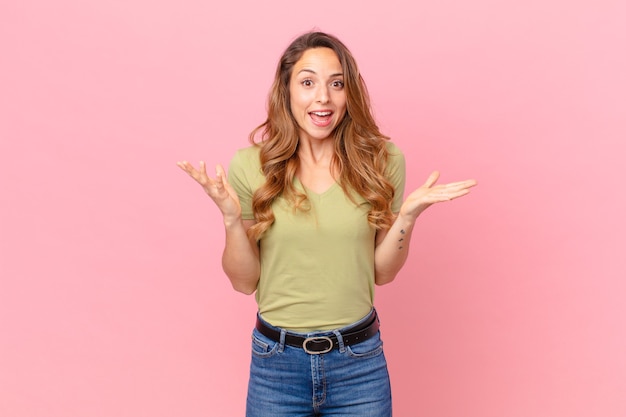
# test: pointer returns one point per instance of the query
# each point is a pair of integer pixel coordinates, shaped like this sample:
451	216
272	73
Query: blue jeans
286	381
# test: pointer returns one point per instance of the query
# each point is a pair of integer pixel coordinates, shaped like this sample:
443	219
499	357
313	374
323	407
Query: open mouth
321	118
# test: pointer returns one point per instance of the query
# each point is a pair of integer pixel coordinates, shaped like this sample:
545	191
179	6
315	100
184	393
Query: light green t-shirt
317	267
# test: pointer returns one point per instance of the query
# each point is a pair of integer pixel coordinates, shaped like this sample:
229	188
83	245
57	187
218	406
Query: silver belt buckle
317	339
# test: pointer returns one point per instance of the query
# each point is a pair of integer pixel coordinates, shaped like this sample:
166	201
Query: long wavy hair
360	157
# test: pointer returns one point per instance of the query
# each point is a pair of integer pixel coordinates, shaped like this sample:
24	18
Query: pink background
112	299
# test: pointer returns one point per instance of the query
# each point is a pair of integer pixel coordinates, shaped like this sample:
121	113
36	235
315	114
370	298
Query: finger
220	174
219	171
464	185
190	170
432	179
203	167
202	177
184	165
199	175
461	184
458	194
450	195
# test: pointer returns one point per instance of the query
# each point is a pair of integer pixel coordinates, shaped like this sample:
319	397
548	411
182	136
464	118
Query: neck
317	152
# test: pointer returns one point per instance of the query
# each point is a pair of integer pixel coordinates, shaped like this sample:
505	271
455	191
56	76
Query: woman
314	219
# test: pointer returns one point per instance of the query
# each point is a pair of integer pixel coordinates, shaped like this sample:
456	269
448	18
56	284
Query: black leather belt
316	345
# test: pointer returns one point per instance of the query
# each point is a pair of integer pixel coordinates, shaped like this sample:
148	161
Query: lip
322	117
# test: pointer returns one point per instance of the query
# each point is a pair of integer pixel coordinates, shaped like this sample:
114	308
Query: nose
323	96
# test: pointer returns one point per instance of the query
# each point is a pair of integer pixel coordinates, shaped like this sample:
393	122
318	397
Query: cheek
296	101
295	109
342	103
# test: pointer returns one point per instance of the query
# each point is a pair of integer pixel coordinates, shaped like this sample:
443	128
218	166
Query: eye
337	84
307	82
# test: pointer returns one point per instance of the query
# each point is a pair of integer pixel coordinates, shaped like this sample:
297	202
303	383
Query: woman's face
318	98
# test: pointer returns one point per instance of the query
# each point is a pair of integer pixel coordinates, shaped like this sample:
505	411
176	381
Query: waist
323	341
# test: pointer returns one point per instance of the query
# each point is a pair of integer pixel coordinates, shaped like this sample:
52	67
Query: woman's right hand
217	188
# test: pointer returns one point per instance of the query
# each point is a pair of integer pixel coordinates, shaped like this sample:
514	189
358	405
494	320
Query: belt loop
281	343
342	347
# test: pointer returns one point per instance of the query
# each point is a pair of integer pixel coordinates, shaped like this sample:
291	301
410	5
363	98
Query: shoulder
392	148
396	174
245	168
396	165
396	156
248	156
246	160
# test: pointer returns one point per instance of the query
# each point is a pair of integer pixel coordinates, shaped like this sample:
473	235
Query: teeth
321	113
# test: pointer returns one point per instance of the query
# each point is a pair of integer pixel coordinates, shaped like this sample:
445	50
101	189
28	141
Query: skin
316	85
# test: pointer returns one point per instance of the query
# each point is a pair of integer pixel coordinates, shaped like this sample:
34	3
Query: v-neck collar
308	191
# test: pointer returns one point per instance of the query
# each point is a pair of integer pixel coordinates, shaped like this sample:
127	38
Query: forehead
318	60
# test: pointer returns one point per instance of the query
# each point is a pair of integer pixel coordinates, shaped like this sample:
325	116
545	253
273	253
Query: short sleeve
396	174
244	175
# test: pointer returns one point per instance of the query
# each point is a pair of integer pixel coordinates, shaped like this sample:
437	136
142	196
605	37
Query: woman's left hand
431	193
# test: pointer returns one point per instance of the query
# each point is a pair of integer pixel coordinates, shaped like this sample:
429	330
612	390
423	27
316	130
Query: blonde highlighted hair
360	157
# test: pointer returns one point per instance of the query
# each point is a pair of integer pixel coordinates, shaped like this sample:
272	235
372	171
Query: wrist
406	220
231	221
411	214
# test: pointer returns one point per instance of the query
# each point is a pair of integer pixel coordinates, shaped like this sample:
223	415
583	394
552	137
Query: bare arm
392	245
240	259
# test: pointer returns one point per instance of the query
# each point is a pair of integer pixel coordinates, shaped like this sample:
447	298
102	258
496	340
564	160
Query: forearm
392	252
240	259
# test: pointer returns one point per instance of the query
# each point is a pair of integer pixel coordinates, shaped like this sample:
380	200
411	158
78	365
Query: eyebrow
338	74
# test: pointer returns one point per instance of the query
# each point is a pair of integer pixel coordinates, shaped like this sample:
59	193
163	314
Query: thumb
220	173
432	179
